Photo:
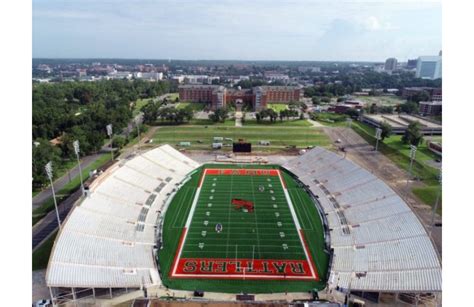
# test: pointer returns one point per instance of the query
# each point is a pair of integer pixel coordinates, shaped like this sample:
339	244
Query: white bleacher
386	247
108	239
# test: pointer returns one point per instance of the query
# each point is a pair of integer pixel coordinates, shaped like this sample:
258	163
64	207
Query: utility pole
412	157
435	208
137	123
49	171
110	133
378	136
77	150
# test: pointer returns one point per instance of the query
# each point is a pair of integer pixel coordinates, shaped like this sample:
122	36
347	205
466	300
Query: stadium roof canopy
379	244
108	239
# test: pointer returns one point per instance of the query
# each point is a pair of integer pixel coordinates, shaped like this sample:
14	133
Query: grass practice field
278	238
280	135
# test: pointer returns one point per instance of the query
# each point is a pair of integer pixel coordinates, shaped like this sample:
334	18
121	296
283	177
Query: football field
242	225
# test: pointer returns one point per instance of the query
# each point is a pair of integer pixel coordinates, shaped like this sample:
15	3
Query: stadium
160	225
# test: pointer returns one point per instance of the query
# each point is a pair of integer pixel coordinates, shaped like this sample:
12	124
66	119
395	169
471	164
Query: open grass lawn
381	100
280	136
139	104
277	107
68	189
195	106
332	119
173	96
268	233
290	123
399	153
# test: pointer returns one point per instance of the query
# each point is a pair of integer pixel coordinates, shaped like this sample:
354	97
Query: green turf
176	215
277	107
195	106
245	235
280	137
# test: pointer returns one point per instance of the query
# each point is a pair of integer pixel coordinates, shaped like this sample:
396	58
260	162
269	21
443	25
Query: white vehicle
43	303
338	141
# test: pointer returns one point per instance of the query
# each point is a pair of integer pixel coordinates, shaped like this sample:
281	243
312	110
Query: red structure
240	203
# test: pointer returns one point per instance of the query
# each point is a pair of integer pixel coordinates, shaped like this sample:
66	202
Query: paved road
62	181
49	223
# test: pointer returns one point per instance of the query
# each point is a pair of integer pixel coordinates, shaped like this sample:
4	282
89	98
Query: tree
219	115
373	108
413	135
386	130
119	141
316	100
408	107
353	113
386	109
43	152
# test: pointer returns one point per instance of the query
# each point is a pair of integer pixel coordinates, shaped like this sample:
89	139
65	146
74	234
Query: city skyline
290	30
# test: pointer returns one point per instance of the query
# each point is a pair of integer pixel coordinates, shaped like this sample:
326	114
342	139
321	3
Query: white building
429	67
149	75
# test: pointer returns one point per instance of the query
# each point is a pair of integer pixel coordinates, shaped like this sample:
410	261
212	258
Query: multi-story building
436	94
429	67
390	64
219	96
430	107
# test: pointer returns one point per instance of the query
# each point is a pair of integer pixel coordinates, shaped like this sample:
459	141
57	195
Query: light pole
109	133
137	122
412	157
378	136
77	150
49	171
349	122
435	208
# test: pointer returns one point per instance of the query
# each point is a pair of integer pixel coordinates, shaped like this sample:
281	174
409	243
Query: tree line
80	111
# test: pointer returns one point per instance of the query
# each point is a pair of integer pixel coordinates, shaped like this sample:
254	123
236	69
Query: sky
299	30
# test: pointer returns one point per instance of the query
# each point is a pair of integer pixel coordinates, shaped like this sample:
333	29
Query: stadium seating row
108	239
378	242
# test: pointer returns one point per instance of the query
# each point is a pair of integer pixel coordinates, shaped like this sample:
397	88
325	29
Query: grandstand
110	239
378	243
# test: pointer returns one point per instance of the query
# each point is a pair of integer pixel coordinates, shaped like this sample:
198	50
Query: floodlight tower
378	136
412	157
110	133
435	208
49	172
77	150
137	123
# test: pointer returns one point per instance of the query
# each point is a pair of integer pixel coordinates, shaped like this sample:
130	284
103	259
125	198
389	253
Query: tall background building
390	64
429	67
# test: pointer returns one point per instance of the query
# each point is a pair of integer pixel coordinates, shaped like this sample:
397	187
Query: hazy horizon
263	30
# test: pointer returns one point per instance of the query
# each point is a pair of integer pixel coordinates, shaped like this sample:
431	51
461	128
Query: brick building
436	94
219	96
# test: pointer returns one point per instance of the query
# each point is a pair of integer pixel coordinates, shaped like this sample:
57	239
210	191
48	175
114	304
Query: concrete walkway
315	123
238	119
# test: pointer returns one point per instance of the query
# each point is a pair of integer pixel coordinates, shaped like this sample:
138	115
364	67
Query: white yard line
188	222
255	215
228	216
297	224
